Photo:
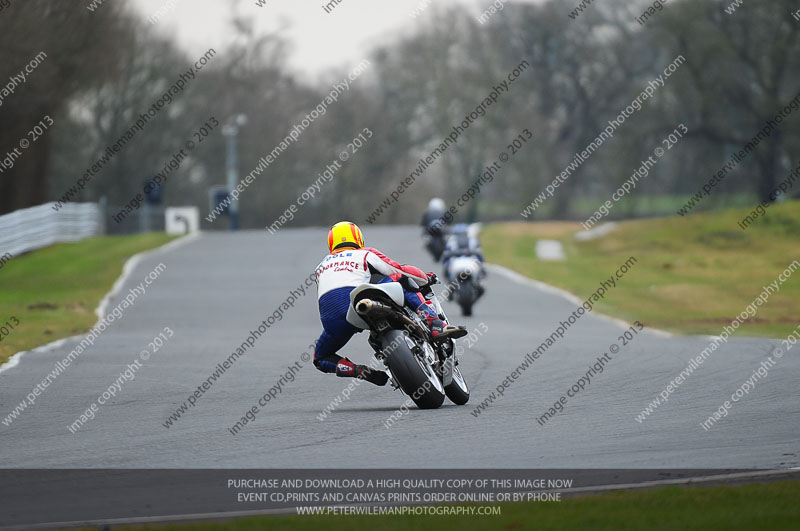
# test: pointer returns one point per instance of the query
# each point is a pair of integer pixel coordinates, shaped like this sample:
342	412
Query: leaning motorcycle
465	271
422	368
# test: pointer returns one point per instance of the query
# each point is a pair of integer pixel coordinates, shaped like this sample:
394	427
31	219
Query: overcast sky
320	40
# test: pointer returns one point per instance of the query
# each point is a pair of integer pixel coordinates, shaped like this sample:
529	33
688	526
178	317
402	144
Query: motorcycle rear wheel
416	379
466	298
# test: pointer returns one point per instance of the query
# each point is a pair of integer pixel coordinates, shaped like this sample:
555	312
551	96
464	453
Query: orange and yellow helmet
345	235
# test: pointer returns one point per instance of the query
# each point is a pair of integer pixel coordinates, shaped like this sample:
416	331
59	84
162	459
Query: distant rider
348	265
433	220
462	242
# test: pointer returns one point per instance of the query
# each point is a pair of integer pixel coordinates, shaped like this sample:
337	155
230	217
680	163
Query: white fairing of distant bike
393	289
463	265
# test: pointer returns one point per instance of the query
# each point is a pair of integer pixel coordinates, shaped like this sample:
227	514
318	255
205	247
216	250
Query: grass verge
758	506
53	292
694	274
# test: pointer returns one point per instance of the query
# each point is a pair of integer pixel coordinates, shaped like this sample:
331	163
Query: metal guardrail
36	227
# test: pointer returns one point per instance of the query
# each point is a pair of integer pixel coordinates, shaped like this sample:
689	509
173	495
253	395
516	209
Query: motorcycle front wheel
457	391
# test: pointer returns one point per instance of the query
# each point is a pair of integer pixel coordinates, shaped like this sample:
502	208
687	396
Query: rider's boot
347	369
373	376
440	330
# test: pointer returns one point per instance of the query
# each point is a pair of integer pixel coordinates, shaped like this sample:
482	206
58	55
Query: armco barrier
36	227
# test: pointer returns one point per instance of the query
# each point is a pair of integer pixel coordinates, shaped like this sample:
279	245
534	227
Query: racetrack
219	287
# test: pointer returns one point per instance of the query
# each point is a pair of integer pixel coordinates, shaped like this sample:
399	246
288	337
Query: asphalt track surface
220	286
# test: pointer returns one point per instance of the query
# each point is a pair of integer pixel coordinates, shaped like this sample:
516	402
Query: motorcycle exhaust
375	308
367	306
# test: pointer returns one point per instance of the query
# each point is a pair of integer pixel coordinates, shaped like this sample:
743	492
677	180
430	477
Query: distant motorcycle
434	224
465	272
423	369
434	242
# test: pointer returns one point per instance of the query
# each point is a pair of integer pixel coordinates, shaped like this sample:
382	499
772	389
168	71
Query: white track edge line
127	270
547	288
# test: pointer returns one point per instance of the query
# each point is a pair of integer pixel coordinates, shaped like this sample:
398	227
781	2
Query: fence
36	227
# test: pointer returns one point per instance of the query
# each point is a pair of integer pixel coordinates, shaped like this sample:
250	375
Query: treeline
103	69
